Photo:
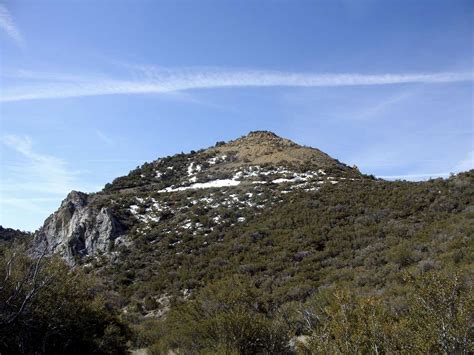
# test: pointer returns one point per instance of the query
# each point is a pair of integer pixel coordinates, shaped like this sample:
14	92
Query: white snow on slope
204	185
283	175
215	160
193	169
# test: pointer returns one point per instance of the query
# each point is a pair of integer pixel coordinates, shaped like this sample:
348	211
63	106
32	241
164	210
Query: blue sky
91	89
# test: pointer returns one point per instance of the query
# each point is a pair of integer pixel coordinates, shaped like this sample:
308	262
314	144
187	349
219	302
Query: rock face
77	229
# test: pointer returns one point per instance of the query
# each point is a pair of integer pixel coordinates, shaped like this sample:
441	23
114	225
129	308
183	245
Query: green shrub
230	316
47	308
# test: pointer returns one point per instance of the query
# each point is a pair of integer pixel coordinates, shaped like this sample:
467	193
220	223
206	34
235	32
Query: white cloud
32	183
8	25
29	204
35	172
414	177
153	81
384	105
465	164
103	137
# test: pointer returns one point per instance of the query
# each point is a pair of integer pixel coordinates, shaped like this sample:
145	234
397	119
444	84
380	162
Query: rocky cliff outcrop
78	228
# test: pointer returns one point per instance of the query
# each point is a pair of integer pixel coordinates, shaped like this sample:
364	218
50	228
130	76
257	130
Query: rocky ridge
188	194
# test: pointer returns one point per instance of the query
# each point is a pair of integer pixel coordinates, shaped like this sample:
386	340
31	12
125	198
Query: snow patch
203	185
187	225
134	209
215	160
193	169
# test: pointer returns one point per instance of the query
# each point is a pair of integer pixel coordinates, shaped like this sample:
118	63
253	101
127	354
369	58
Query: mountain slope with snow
289	218
251	166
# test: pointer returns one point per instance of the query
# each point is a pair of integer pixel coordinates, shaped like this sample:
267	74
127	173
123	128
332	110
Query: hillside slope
262	218
256	164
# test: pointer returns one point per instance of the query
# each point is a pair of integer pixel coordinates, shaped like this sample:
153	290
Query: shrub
229	316
47	308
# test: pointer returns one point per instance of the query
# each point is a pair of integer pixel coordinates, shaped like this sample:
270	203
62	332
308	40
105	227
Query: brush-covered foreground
255	246
373	267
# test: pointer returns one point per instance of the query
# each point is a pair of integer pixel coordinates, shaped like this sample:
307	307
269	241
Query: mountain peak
263	138
262	134
265	147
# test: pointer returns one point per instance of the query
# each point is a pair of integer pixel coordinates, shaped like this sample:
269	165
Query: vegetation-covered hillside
8	235
369	241
261	246
363	233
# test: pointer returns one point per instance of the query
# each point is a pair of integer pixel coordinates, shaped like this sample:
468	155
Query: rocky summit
239	178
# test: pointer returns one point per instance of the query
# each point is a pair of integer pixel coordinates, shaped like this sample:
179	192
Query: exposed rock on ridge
77	229
264	147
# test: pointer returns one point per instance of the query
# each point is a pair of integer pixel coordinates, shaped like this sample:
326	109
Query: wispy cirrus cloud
384	105
104	137
464	164
9	27
35	172
159	81
414	177
33	183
